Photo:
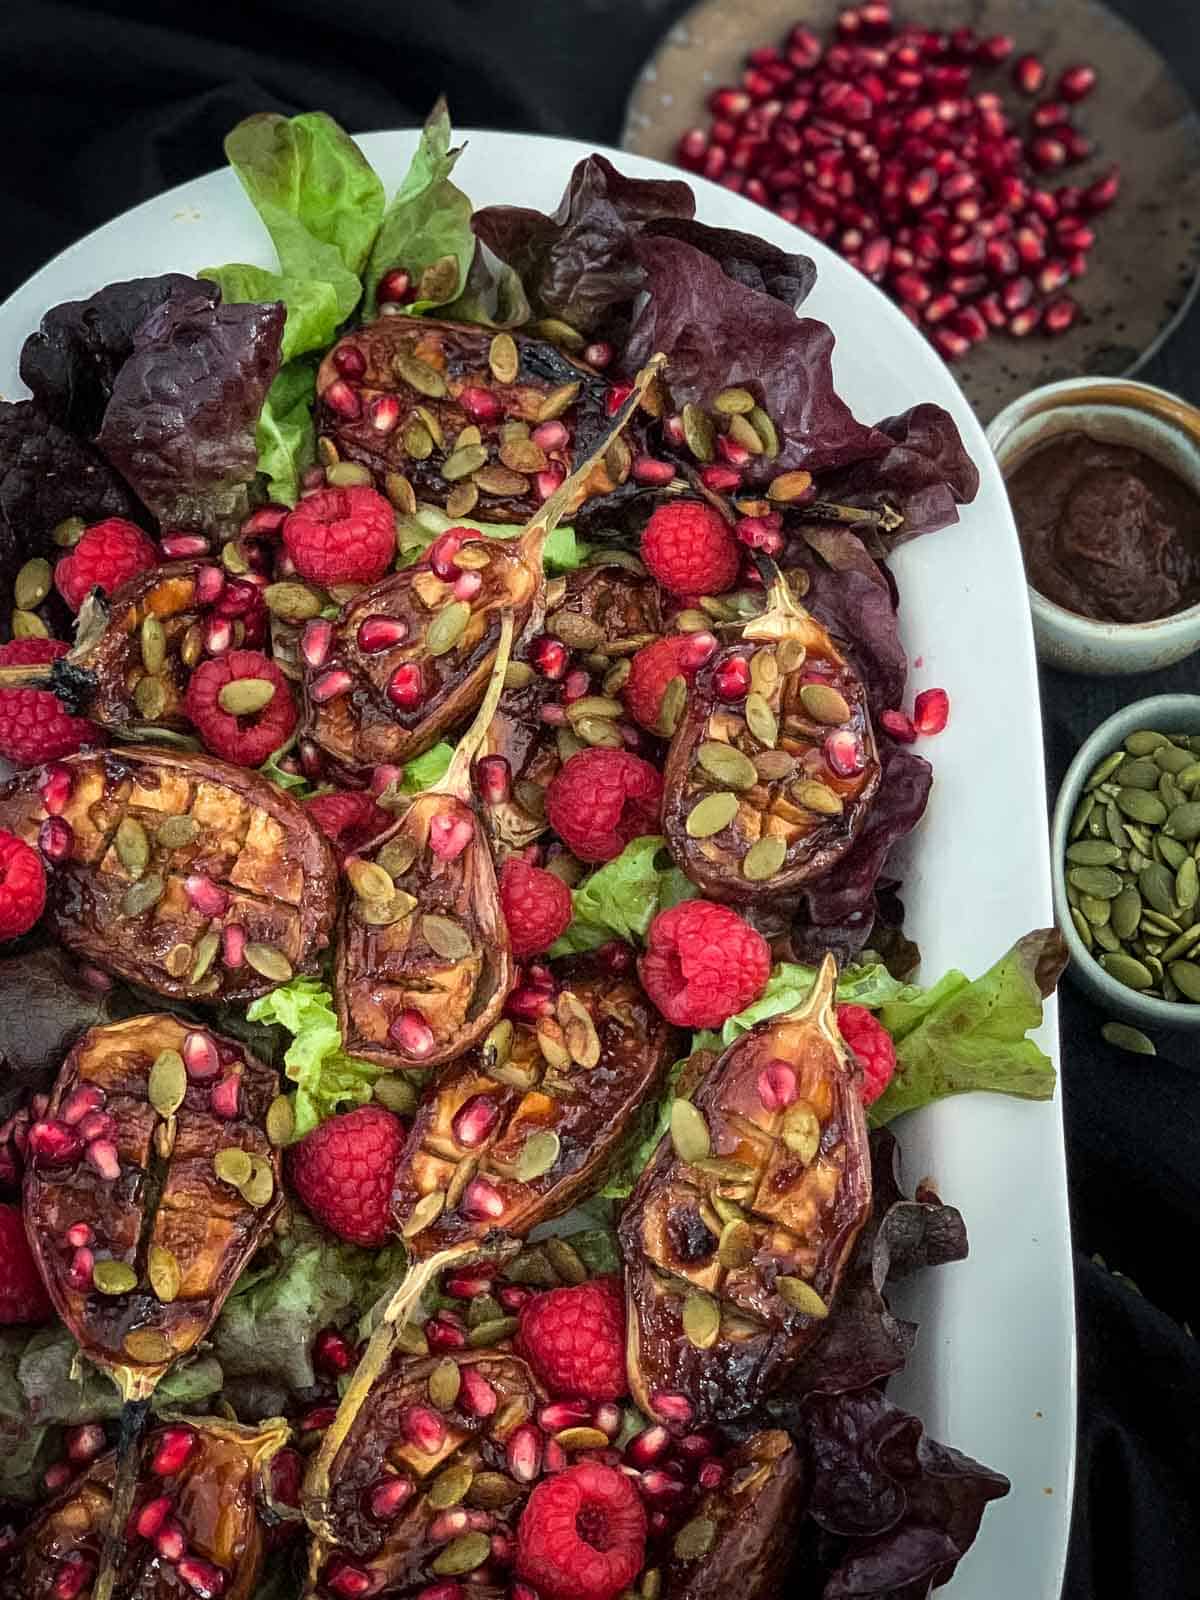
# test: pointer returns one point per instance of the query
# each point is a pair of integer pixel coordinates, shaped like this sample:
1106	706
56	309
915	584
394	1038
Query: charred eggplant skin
152	1198
261	856
474	1134
734	1255
216	1495
753	1518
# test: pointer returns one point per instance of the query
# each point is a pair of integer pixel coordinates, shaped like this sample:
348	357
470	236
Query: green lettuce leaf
963	1035
563	551
295	782
285	437
871	986
427	769
653	1122
427	224
622	898
266	1329
325	1077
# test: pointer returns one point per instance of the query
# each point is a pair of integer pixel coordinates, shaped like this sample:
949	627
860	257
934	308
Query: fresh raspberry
247	741
536	904
690	549
703	964
574	1339
349	819
679	655
34	727
109	553
872	1044
601	799
343	1172
582	1534
22	886
23	1296
341	536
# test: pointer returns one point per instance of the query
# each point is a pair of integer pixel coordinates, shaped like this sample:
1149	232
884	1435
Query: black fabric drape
102	105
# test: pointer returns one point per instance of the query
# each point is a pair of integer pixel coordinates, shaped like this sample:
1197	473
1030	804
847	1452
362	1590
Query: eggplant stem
784	616
886	517
135	1414
37	675
457	778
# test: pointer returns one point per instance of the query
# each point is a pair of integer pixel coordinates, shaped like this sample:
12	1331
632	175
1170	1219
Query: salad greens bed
625	260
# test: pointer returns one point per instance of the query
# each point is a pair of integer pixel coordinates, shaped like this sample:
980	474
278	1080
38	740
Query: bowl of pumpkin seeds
1126	852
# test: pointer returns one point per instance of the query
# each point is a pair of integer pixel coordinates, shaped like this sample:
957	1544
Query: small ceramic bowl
1164	713
1118	412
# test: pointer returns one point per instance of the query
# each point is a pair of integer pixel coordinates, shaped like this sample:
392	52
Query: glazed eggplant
516	1132
602	613
410	657
737	1234
201	1499
424	963
418	1472
741	1537
773	766
396	396
189	877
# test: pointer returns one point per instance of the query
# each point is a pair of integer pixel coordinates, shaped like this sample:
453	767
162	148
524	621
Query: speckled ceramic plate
1143	271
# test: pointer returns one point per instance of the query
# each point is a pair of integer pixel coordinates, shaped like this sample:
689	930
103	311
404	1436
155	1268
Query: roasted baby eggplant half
195	1526
475	422
737	1234
410	657
418	1473
773	766
741	1537
189	877
517	1131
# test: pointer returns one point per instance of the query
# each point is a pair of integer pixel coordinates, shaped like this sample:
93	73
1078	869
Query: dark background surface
103	105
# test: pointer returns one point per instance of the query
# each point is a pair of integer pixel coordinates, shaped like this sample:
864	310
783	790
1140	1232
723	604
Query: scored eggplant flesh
740	1538
734	1256
216	1494
496	1393
623	607
452	365
519	1130
800	791
145	1187
252	861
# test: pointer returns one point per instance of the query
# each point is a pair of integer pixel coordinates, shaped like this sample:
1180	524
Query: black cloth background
103	105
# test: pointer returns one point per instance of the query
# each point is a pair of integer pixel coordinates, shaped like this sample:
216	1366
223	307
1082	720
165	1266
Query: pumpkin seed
742	431
417	441
163	1271
1100	882
818	797
444	1383
450	1486
789	486
463	462
558	400
801	1131
1137	773
1098	912
1142	805
1184	822
734	402
1082	812
538	1155
766	431
599	732
672	705
691	621
1105	769
401	493
1170	851
203	956
242	697
396	857
32	584
1093	853
764	671
178	960
396	1093
504	358
583	1042
736	1246
147	1346
28	625
445	937
824	704
68	532
473	557
565	1260
114	1277
701	1320
695	1539
1189	778
518	675
1172	759
764	858
143	895
1126	912
292	602
1170	793
348	475
1114	827
281	1121
728	1210
651	1585
689	1132
174	832
1185	975
1144	743
419	375
370	881
426	1211
1187	883
150	697
492	1490
727	764
167	1084
232	1166
268	962
132	846
710	815
699	433
464	1554
1128	970
1104	936
771	765
1156	884
485	1334
594	705
260	1185
761	720
580	632
447	628
1082	927
801	1296
500	480
1124	1037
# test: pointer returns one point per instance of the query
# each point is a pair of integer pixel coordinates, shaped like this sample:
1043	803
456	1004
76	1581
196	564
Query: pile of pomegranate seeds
879	145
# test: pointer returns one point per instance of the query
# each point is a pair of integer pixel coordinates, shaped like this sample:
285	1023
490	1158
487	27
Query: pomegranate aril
647	469
1031	247
971	323
482	1201
777	1086
78	1235
332	1352
549	657
204	1578
1052	276
656	1484
200	1056
341	398
1101	194
85	1442
406	686
560	1414
442	1334
493	780
56	838
912	288
475	1394
378	633
1016	294
233	945
1049	114
1029	74
1047	153
843	748
672	1407
83	1100
931	711
149	1521
553	435
349	361
608	1418
74	1574
79	1273
711	1475
450	835
101	1155
720	479
387	1497
218	636
995	49
512	1296
395	287
412	1034
423	1429
1059	314
1024	322
173	1451
443	551
549	480
205	896
346	1579
523	1453
474	1120
1077	82
940	307
57	1477
898	725
481	405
